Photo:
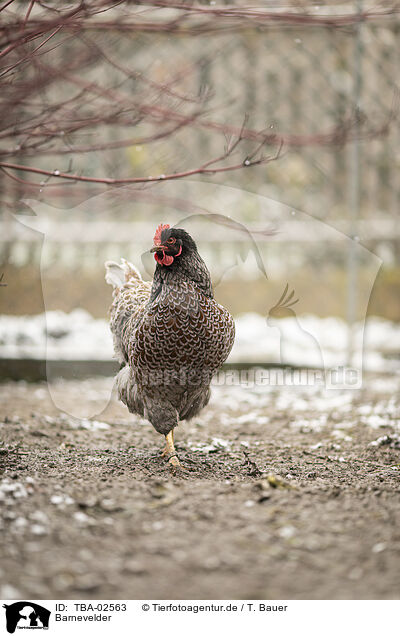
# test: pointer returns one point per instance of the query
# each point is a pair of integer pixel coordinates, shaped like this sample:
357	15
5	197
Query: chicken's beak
158	248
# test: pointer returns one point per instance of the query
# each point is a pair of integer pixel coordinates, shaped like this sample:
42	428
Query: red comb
157	235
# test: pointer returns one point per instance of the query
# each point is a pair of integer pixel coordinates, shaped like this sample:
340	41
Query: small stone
135	567
9	592
277	482
83	518
110	505
85	554
108	521
38	530
20	523
158	525
287	532
249	503
39	516
63	581
378	547
90	502
211	563
88	582
61	500
355	574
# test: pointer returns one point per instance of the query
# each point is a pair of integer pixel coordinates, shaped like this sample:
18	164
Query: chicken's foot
170	452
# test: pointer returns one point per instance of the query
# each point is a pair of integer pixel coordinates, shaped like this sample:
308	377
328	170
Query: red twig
32	2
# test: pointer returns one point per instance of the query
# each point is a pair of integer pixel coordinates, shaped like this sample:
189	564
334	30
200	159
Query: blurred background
283	118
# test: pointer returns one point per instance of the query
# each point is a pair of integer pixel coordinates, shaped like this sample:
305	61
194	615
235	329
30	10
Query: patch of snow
10	490
316	446
374	421
341	435
55	335
310	425
216	444
300	340
61	500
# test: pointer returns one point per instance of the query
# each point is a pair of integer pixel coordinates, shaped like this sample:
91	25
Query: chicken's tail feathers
115	275
119	274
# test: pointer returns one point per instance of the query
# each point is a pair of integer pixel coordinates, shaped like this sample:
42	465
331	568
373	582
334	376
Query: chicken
170	336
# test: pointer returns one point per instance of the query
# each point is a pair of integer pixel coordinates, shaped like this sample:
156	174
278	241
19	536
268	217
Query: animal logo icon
293	337
282	308
26	615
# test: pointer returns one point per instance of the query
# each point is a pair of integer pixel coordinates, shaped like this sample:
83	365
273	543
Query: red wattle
165	259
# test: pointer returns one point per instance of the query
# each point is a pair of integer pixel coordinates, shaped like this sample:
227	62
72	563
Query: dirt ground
288	494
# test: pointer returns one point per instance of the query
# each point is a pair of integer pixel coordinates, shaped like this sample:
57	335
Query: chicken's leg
170	452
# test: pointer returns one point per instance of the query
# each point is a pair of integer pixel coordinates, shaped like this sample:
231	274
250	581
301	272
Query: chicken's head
170	243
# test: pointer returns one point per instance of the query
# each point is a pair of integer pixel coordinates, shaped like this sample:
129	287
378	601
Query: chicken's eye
171	240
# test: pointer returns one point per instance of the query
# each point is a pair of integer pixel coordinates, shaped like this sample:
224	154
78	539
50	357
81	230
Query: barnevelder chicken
170	335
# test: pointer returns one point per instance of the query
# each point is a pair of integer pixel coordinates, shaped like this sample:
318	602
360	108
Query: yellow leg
170	452
169	445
